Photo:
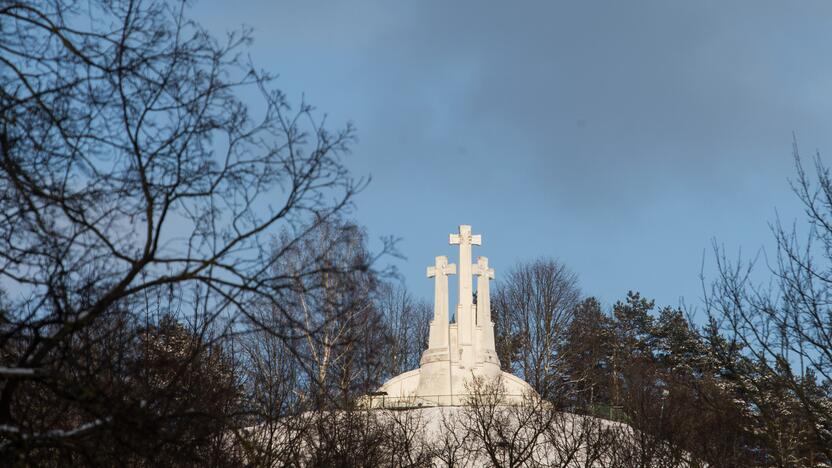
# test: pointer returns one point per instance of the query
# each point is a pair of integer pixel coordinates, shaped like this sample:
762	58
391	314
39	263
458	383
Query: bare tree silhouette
136	184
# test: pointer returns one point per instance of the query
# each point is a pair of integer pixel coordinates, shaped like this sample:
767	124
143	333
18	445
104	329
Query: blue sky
618	137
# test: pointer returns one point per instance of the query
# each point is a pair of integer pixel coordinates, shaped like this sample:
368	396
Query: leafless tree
575	441
273	402
507	434
452	447
130	172
347	438
533	307
408	320
783	328
336	308
407	440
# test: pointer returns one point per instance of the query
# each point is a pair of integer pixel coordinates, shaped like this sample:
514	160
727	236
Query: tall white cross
439	328
465	309
486	341
484	274
465	240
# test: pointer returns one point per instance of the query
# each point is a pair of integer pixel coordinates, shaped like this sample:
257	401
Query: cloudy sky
619	137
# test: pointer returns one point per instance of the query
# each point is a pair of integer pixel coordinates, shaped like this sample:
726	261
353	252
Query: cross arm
479	271
441	267
481	268
474	239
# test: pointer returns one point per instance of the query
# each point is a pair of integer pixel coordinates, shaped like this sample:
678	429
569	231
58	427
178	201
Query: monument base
442	382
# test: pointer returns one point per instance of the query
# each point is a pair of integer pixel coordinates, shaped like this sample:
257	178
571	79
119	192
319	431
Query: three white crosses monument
457	352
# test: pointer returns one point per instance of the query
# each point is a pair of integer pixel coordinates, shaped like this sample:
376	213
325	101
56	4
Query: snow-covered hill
464	436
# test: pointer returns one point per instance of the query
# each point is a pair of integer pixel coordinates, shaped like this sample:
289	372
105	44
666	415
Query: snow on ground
513	435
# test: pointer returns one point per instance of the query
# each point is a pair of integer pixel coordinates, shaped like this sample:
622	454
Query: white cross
481	268
483	296
465	237
465	240
442	267
439	328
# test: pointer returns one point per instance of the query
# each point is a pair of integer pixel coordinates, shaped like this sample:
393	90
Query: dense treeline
182	285
690	386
